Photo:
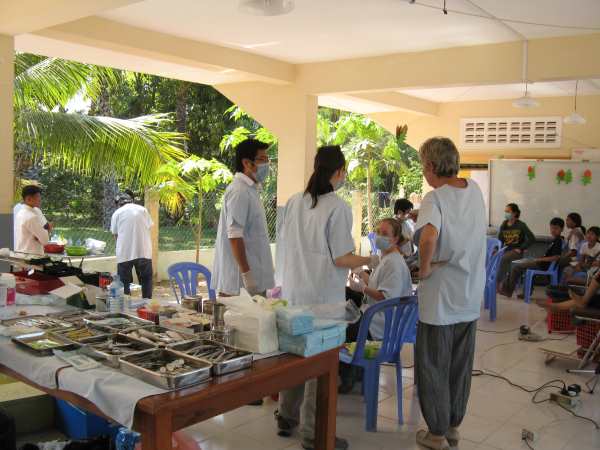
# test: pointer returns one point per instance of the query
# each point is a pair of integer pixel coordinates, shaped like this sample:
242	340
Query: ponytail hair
328	160
396	230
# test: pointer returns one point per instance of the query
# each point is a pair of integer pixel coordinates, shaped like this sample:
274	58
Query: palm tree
181	184
45	133
371	150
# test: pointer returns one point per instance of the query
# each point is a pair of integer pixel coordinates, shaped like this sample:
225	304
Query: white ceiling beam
400	102
107	35
25	16
550	59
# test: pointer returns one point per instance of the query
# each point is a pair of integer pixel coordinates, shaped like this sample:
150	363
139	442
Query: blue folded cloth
294	321
331	336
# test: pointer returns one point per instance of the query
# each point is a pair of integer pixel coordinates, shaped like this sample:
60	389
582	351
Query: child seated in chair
553	253
390	279
588	259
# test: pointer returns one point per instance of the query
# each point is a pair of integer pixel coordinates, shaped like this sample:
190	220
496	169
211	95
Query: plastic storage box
319	340
37	283
586	333
559	321
78	424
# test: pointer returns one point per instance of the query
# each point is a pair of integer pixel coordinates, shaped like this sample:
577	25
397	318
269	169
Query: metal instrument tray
71	333
38	321
156	330
96	320
241	360
199	372
27	340
95	348
71	316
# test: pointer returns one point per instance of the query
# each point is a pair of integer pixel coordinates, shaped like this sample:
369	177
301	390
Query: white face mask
340	183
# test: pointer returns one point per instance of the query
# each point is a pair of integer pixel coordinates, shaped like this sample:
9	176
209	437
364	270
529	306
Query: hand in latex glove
375	259
249	283
356	284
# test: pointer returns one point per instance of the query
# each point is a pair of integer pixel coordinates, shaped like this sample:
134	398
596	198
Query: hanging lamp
526	101
575	118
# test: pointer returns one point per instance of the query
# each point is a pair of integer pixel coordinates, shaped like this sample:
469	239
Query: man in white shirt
31	229
402	210
130	224
242	251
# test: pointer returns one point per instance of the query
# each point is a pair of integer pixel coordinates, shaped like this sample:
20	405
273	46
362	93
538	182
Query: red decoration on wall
531	172
586	178
560	176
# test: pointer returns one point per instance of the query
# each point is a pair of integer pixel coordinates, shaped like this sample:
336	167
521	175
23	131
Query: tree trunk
199	226
183	88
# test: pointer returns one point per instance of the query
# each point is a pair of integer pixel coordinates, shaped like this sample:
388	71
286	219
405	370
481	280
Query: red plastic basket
36	284
559	321
586	334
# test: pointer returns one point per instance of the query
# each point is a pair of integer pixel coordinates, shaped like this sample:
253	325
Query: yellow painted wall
447	123
6	124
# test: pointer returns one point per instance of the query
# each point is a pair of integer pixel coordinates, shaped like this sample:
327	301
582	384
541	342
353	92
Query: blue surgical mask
340	183
508	216
382	242
262	171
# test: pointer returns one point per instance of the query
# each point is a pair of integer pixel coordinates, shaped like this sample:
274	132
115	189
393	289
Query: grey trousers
443	365
505	264
299	405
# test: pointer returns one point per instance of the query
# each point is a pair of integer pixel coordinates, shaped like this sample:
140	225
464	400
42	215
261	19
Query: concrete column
152	205
7	75
292	116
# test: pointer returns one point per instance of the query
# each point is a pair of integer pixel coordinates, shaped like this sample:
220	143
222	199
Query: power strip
565	400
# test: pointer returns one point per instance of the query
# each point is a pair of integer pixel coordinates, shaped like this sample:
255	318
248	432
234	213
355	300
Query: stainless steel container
159	335
193	302
102	321
94	347
28	341
207	306
200	369
218	315
242	359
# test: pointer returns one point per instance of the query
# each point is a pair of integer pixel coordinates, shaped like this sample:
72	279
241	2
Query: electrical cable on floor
528	444
536	391
580	417
498	332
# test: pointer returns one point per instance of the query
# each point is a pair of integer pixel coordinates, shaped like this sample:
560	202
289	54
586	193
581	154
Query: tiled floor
496	414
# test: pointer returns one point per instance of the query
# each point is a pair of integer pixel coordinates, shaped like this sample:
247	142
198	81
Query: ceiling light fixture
267	7
575	118
526	101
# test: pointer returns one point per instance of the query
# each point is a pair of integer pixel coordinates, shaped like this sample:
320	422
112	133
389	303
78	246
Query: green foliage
44	133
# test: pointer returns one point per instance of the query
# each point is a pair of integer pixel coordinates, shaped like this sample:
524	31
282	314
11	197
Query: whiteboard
543	198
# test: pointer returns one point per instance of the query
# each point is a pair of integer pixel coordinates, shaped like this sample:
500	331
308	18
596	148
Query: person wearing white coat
242	248
315	251
31	229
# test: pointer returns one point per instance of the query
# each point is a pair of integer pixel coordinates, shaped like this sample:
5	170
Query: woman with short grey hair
451	232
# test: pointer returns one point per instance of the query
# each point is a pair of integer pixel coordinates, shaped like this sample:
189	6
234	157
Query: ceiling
319	30
505	91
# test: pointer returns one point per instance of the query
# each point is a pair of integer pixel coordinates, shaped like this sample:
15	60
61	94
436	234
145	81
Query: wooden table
156	417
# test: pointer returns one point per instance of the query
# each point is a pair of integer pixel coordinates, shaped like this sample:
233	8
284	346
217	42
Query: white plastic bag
94	246
255	326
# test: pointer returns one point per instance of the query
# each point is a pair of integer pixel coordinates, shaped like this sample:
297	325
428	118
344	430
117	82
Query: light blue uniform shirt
242	209
308	243
454	291
392	278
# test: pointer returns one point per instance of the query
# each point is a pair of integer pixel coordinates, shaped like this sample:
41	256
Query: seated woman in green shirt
516	236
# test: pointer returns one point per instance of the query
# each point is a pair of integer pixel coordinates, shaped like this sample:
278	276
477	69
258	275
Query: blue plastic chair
493	245
371	237
400	323
552	272
185	274
491	274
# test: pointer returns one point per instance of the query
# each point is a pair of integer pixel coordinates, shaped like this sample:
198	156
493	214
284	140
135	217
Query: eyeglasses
261	160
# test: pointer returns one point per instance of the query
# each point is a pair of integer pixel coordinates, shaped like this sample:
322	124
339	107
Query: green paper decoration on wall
564	176
531	173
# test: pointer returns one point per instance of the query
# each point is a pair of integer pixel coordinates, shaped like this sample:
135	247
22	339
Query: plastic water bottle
116	295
